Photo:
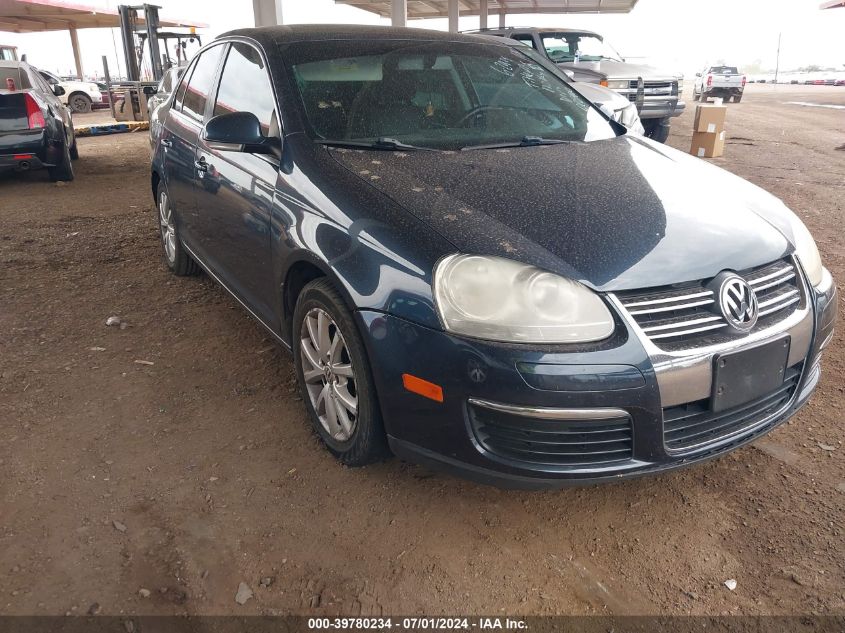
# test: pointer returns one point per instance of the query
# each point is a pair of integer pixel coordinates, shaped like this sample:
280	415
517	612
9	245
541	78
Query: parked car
477	270
616	106
657	93
719	81
79	96
36	129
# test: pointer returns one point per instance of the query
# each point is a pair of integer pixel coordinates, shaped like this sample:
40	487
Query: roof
315	32
30	16
531	29
440	8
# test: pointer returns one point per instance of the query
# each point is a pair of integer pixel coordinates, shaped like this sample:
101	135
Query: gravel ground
154	468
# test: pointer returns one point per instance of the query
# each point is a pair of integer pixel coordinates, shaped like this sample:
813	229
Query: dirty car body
538	300
36	129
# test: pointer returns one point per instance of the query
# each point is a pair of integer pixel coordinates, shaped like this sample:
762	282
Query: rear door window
245	86
19	79
200	83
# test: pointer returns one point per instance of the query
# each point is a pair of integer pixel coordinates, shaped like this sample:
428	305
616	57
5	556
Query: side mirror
237	132
698	74
150	90
58	90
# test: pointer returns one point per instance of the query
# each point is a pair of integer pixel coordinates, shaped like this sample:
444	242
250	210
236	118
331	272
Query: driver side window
245	87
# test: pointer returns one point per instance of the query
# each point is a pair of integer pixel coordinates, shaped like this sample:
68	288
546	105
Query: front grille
693	424
653	89
687	316
552	442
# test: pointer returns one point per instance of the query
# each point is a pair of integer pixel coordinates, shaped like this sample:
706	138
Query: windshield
441	95
575	47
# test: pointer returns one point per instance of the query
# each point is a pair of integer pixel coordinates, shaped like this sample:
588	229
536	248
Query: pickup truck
36	129
719	81
79	96
592	60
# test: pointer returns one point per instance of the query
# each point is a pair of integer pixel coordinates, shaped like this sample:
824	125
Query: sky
681	35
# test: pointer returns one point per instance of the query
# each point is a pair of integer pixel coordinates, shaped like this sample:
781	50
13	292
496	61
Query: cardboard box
708	144
710	118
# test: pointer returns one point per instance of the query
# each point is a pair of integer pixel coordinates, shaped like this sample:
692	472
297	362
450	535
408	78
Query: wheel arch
300	269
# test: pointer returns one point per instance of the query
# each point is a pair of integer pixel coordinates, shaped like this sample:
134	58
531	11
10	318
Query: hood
621	70
617	214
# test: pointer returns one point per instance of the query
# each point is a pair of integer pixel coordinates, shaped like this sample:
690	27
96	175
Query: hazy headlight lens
502	300
618	84
807	251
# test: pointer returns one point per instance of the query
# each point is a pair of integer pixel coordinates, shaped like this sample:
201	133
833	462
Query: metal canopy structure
419	9
400	11
36	16
833	4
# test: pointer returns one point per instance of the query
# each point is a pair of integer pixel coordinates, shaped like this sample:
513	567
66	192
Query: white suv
79	96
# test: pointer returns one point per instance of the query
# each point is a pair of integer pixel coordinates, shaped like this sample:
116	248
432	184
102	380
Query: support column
399	12
502	18
267	12
453	16
77	59
482	14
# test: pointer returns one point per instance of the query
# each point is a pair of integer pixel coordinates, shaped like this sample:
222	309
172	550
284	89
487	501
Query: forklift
129	98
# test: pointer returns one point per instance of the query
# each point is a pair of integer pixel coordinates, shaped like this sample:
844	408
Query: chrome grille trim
694	295
684	318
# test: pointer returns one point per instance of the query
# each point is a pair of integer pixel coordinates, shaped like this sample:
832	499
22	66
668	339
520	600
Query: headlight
618	84
680	86
807	251
502	300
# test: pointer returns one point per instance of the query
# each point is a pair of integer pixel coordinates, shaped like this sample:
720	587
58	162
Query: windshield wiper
382	143
526	141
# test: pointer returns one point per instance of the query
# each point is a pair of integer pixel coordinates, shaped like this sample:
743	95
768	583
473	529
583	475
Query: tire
356	437
657	129
702	97
737	98
74	151
175	256
63	171
79	102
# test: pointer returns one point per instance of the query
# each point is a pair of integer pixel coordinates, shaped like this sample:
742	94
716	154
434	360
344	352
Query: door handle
201	165
166	143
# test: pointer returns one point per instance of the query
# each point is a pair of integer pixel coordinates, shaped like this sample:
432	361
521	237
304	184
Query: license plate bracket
748	374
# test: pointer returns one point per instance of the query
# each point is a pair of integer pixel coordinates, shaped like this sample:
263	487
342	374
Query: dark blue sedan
474	267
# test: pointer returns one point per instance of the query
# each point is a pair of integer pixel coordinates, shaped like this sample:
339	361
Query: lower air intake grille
552	442
694	424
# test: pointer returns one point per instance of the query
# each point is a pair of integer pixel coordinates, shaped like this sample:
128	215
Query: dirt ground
156	487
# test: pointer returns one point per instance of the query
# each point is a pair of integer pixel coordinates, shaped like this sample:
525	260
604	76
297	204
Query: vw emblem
738	303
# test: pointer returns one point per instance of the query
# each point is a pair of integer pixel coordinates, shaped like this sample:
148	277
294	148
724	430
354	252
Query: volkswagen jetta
474	267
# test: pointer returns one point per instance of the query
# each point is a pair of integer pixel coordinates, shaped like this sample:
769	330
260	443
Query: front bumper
662	109
611	395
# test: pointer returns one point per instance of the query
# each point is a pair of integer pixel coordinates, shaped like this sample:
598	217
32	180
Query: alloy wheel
329	375
168	229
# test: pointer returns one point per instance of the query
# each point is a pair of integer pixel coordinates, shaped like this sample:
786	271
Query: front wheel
79	103
657	129
334	376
